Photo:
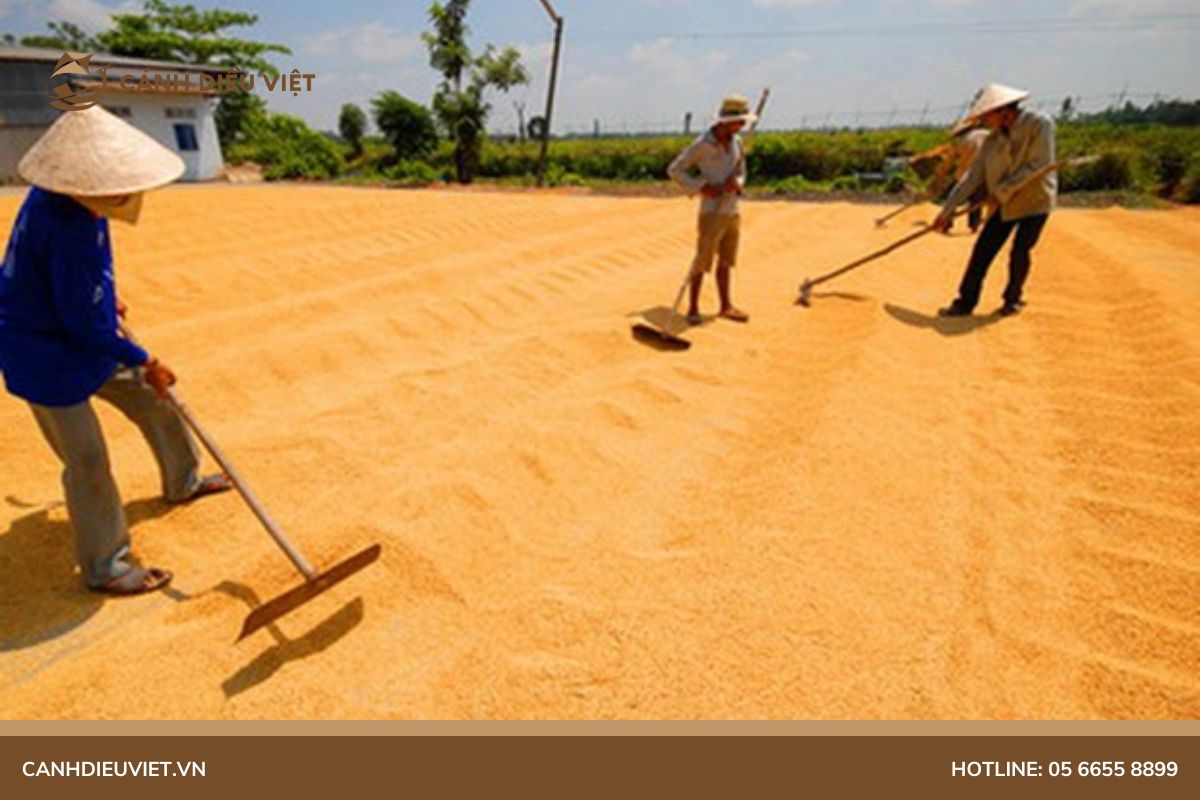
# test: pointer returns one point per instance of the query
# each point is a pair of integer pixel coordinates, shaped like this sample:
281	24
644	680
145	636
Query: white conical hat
963	125
992	97
91	153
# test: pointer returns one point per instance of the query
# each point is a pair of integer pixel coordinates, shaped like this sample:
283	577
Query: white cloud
373	43
535	57
88	14
664	62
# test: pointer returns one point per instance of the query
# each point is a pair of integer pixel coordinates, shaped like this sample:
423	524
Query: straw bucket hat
990	98
93	153
735	108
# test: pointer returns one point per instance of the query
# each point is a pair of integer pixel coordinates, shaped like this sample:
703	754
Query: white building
181	119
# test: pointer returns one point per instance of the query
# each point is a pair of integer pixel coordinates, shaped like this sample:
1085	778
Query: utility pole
558	29
520	108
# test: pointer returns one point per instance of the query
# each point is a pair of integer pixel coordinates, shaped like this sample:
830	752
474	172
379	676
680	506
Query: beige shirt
964	149
704	162
1003	165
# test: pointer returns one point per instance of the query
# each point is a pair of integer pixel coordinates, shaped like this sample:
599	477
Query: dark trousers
995	233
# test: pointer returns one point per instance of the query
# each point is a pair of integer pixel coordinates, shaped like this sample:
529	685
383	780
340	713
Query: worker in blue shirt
59	340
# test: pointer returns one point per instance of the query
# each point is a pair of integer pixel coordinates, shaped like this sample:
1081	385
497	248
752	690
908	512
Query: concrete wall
148	112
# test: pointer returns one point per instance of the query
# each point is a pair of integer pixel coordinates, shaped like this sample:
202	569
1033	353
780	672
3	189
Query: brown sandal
136	580
211	484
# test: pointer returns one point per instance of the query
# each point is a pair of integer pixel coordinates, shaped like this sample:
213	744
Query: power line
924	115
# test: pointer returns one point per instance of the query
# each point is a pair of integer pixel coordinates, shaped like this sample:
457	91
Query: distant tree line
1159	112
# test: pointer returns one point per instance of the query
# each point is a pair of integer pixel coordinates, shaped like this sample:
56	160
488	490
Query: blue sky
641	64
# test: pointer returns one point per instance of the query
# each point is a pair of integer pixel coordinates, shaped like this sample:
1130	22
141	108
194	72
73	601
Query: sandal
135	580
210	484
735	314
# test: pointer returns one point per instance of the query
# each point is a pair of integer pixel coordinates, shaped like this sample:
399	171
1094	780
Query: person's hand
122	309
942	223
732	186
159	376
711	191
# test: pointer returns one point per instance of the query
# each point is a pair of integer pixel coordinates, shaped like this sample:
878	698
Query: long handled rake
315	583
916	201
669	329
807	286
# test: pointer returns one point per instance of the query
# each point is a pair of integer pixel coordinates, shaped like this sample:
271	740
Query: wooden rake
805	298
315	583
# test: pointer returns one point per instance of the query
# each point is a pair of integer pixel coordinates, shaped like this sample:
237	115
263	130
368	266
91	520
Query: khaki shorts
718	237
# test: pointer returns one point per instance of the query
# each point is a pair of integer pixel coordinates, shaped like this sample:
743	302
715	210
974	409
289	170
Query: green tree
408	126
186	34
352	124
459	103
63	36
286	148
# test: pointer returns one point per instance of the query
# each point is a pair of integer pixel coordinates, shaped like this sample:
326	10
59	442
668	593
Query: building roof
47	54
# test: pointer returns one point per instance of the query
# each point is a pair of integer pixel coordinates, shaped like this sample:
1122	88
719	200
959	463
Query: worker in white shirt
714	165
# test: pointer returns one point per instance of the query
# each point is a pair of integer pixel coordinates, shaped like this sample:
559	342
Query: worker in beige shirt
1020	144
714	165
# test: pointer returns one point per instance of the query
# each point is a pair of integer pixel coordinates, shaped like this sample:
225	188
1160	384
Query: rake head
659	337
805	298
289	601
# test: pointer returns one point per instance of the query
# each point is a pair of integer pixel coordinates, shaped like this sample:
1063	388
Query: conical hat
92	152
992	97
963	125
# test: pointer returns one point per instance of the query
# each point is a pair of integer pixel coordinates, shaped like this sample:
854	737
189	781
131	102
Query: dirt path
855	510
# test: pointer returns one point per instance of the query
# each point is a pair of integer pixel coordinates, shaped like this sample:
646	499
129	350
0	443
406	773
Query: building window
181	113
185	137
121	111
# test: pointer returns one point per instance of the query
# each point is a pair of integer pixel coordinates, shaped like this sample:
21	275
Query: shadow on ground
849	296
946	326
663	328
270	661
42	595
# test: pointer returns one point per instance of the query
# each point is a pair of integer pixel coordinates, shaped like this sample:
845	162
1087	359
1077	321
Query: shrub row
1150	159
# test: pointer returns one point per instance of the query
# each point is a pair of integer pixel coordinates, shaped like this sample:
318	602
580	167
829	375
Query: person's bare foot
735	314
136	580
694	317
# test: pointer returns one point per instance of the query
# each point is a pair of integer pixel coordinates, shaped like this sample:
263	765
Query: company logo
72	86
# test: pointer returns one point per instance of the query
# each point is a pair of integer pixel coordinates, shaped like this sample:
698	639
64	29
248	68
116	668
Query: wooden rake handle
210	444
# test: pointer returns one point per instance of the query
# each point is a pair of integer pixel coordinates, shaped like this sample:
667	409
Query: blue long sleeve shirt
58	313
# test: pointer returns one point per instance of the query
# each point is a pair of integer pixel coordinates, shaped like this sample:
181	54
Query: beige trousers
93	504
